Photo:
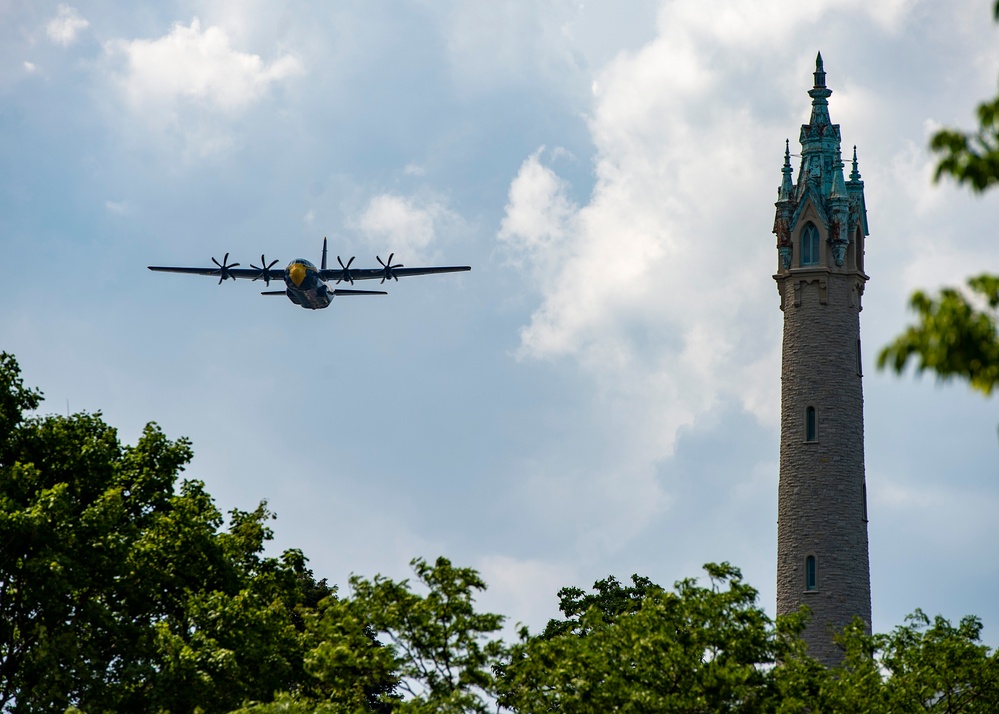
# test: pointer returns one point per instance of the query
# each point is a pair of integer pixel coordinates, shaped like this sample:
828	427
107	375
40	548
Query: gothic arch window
809	245
811	424
811	574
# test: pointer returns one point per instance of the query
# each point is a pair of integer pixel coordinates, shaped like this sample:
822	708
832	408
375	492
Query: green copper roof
840	204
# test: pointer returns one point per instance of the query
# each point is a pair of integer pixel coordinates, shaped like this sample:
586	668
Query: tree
646	649
118	592
922	666
346	662
611	600
971	158
707	649
440	643
953	336
434	648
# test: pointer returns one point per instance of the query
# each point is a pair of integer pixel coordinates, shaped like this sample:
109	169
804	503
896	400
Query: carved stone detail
839	253
799	288
785	256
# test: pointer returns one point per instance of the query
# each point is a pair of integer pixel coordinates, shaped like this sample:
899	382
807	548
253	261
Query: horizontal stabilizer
359	292
274	292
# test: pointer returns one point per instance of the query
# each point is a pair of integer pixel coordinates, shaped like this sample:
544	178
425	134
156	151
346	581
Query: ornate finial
819	94
855	174
787	153
820	75
786	185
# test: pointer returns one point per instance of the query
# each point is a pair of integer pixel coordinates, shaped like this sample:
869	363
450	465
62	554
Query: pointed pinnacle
855	174
820	74
786	185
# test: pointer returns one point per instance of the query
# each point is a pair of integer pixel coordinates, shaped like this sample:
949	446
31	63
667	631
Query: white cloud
758	25
196	65
64	27
658	286
538	214
405	226
524	589
117	208
30	67
494	41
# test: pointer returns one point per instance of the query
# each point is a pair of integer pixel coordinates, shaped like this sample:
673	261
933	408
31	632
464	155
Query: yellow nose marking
297	272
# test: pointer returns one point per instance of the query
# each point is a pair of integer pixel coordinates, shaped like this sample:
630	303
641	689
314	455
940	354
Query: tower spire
820	73
820	96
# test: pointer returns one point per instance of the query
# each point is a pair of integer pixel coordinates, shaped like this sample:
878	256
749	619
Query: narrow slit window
810	245
811	424
810	574
865	503
860	363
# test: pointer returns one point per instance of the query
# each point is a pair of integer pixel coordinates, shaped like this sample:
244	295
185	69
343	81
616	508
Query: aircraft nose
297	273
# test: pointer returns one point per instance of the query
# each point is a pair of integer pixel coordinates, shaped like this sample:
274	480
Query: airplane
307	285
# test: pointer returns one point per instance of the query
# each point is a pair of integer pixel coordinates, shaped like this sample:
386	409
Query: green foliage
645	649
952	337
120	592
611	599
286	703
117	590
15	400
936	666
346	663
712	649
440	643
433	647
971	158
922	666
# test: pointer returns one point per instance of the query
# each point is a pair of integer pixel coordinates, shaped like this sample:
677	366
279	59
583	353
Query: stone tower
821	225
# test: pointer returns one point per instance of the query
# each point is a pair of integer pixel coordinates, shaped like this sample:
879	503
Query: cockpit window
302	261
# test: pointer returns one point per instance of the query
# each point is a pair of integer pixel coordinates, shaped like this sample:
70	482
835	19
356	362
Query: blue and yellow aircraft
307	285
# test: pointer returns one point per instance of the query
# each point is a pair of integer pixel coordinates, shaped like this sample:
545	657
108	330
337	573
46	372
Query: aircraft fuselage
305	287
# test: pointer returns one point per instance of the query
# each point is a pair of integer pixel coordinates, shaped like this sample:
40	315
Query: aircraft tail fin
323	266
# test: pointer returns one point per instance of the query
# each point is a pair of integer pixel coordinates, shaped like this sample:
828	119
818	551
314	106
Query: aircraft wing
249	273
379	273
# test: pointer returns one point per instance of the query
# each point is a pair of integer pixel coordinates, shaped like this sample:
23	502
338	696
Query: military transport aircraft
307	285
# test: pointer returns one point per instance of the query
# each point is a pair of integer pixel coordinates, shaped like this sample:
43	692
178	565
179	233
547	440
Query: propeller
346	270
224	267
388	268
265	270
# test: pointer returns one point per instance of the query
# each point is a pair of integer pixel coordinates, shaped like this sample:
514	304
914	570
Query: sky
600	394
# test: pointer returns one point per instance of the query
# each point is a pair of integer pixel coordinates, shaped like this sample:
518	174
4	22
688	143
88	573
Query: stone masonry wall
821	509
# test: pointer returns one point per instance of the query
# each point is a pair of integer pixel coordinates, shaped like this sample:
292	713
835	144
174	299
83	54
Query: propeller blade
265	270
387	272
346	270
224	267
